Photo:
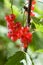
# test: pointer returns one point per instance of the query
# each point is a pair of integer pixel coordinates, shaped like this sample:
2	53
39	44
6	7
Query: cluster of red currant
16	31
32	8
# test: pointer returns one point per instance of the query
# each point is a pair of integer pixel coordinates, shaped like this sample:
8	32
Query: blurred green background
7	47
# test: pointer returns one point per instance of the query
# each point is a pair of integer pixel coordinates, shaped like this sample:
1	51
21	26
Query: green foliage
1	3
9	53
38	23
37	41
19	3
37	58
15	60
38	8
2	57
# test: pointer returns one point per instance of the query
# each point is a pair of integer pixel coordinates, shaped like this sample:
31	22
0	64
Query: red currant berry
12	17
8	35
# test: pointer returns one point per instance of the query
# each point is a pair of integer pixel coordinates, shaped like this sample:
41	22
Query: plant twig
29	11
25	49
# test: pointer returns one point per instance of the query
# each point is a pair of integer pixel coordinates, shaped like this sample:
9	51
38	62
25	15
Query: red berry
32	8
26	29
18	24
12	17
7	18
14	38
25	45
10	30
32	14
33	2
8	34
29	37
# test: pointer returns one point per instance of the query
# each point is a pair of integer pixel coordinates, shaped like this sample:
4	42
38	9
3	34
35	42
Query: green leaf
38	23
19	3
2	13
39	27
37	41
11	49
37	20
2	56
40	50
15	59
37	58
38	8
1	3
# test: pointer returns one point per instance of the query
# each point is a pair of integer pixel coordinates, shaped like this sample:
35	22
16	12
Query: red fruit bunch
16	31
32	8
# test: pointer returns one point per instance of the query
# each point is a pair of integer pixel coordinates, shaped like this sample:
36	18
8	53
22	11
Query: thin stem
23	17
11	5
25	49
31	60
29	11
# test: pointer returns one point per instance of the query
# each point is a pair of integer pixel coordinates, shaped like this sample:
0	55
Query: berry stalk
11	5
